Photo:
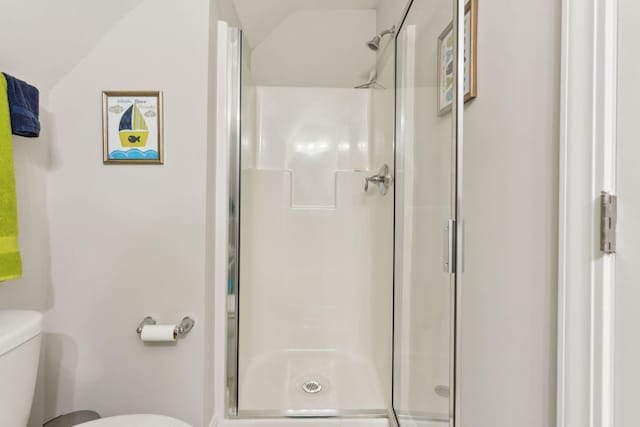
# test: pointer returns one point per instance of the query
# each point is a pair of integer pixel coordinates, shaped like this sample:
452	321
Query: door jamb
587	167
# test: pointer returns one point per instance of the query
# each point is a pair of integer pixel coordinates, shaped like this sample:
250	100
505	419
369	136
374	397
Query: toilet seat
137	420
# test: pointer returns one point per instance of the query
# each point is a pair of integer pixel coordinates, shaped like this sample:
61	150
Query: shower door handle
449	255
382	179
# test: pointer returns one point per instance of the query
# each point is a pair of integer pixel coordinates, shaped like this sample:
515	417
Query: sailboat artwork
133	127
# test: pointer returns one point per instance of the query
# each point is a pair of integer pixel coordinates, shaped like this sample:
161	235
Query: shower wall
316	253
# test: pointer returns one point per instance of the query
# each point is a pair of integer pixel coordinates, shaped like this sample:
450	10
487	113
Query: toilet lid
138	420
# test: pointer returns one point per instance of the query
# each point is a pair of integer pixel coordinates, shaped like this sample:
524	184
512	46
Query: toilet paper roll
158	333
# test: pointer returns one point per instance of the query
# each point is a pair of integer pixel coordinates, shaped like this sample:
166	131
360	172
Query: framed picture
132	128
446	59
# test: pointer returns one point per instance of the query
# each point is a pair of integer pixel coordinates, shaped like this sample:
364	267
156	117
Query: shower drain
312	387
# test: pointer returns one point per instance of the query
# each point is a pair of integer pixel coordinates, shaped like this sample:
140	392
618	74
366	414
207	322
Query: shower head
374	43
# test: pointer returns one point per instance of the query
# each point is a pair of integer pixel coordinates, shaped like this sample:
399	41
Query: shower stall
314	322
339	286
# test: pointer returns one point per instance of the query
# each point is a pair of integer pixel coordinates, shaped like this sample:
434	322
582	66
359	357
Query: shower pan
340	290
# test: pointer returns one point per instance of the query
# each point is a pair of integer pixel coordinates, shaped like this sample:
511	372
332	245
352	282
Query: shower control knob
382	179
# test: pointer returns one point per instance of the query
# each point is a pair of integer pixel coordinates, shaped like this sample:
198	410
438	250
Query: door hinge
608	220
449	264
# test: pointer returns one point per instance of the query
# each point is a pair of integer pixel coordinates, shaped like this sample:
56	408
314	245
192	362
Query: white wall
317	48
260	17
129	241
105	245
42	40
389	12
627	292
508	352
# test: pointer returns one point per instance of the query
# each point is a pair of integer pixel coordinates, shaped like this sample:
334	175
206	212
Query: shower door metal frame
234	104
457	112
456	201
233	122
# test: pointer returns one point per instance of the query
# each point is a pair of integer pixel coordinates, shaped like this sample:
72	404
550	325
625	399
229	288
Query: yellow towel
10	262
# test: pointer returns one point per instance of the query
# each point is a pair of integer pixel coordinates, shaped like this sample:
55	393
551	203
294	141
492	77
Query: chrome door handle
382	179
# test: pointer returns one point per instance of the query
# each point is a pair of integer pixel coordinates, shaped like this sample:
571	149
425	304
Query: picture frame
446	60
132	127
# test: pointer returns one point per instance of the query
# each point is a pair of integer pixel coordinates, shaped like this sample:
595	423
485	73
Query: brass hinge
608	220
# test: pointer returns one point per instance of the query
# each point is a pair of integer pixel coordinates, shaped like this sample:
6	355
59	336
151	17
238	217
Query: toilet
19	351
20	339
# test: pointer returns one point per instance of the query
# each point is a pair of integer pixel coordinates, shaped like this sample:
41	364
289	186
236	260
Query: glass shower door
425	203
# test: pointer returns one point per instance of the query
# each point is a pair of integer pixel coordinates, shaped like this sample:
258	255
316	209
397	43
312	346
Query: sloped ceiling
260	17
54	35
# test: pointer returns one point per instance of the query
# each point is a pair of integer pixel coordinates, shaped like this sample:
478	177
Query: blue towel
24	107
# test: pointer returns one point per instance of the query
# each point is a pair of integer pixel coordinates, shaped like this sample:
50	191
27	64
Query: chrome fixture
185	325
374	43
146	321
382	178
312	387
372	82
179	331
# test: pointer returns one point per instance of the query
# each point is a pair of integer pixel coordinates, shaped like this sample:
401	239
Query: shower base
406	421
311	384
305	422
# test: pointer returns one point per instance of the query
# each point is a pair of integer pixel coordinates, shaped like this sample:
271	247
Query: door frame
587	167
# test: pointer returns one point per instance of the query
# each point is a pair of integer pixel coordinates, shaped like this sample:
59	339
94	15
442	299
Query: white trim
221	218
587	166
605	64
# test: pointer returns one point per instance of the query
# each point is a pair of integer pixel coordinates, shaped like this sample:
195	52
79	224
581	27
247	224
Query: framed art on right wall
446	56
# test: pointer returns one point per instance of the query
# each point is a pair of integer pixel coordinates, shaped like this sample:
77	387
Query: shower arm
391	30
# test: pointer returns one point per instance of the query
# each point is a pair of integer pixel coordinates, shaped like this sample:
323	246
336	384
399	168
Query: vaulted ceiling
260	17
73	27
54	35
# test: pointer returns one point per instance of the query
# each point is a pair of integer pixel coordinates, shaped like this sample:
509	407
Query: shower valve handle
382	179
376	179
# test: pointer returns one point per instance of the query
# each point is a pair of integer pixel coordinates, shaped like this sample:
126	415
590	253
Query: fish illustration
150	113
116	109
133	128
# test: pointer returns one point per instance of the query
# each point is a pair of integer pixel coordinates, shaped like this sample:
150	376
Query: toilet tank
20	335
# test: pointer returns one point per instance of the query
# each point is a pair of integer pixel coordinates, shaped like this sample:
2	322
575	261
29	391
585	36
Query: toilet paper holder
179	331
